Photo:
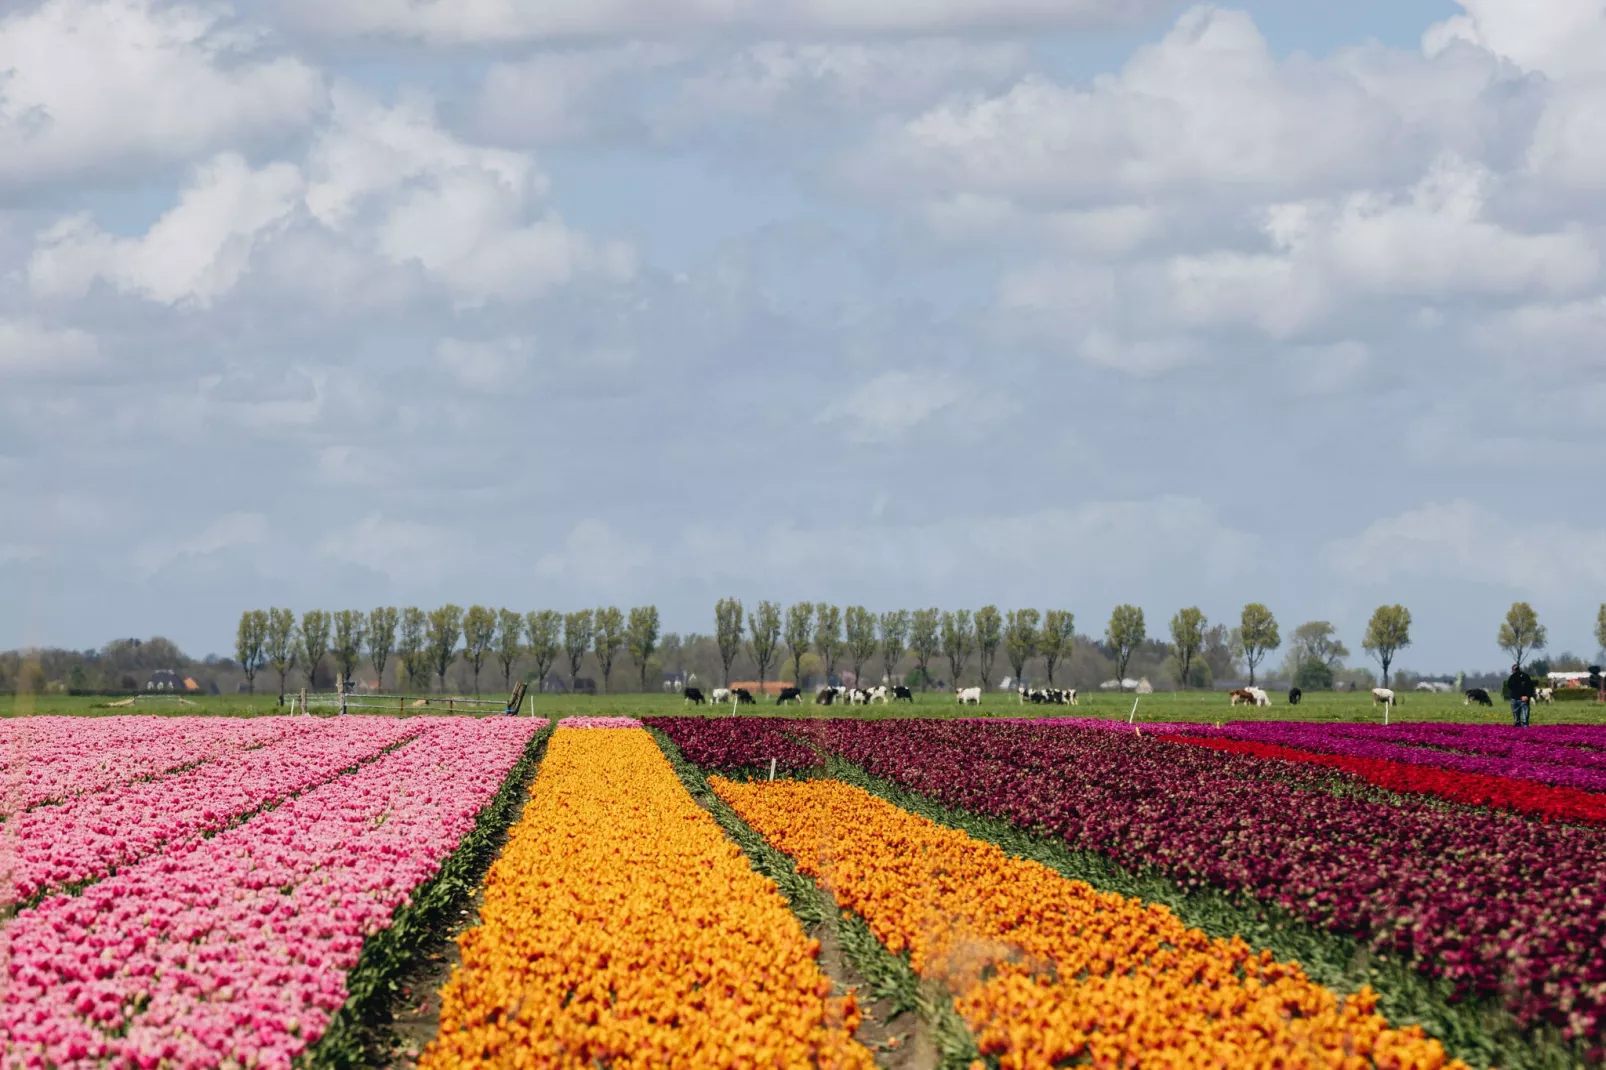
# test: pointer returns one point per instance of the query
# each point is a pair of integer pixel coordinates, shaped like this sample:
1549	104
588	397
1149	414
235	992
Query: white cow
721	694
878	694
1384	694
1261	698
1545	694
968	696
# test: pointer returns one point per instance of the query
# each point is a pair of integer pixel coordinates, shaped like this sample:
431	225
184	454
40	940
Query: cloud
482	366
894	403
399	549
595	557
1561	38
236	529
496	21
195	252
88	86
29	350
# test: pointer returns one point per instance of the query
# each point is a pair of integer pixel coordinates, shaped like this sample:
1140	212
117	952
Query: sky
559	303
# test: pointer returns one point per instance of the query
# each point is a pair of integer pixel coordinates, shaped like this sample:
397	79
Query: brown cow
1244	696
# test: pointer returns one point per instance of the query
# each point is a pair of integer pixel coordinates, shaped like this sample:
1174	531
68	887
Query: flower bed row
1495	904
621	927
1047	970
234	950
727	744
1552	764
1470	789
43	759
90	835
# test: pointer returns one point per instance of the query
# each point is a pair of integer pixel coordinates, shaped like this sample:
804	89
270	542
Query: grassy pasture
1167	706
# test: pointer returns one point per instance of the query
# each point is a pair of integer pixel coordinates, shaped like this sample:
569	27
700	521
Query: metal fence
343	701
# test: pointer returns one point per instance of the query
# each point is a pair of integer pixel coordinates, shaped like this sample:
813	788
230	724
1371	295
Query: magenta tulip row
48	758
234	950
90	835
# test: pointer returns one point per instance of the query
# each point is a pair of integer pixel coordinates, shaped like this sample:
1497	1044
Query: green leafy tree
641	635
1521	633
799	634
1315	642
441	637
1187	639
1313	675
958	638
382	622
608	638
862	640
764	637
989	633
1387	633
1125	634
1257	635
314	643
479	634
281	644
545	628
250	645
828	636
351	626
894	638
1020	640
412	646
509	643
925	641
728	632
577	628
1054	642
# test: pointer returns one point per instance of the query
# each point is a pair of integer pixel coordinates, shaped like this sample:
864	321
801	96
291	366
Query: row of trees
425	645
857	636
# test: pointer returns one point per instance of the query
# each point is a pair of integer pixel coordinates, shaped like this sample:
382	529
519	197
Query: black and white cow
1478	695
1294	695
789	694
902	694
694	695
825	696
743	697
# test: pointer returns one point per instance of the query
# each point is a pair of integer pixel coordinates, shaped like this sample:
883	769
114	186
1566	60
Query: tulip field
772	892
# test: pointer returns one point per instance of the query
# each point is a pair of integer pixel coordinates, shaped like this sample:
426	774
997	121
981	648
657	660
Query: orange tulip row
1047	970
620	927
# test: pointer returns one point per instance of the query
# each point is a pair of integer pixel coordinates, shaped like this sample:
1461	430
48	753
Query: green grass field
1183	706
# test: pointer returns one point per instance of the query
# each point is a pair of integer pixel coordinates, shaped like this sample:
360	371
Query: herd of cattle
1037	696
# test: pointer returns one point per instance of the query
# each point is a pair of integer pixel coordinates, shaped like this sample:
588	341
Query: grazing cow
968	696
1384	695
902	694
1070	696
878	694
744	697
789	694
1261	698
1478	695
1294	695
694	695
1242	695
722	694
1545	694
825	696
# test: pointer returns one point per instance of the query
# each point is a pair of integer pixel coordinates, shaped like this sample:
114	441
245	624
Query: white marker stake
1134	712
772	769
1386	707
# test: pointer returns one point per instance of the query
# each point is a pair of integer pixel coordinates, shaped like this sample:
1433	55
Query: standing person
1520	689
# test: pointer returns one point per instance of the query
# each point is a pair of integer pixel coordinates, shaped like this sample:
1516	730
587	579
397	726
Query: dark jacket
1519	685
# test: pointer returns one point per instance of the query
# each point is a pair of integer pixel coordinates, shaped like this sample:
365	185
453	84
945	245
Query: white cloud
487	21
1327	369
557	95
234	529
1521	549
595	557
87	85
196	252
29	350
1561	38
398	548
892	404
482	366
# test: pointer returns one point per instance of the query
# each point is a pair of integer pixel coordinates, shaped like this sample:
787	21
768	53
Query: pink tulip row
599	722
48	758
90	835
234	950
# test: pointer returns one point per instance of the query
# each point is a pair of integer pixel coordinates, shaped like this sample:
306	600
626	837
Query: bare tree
764	628
509	643
862	640
577	628
546	641
1020	641
444	630
957	640
381	639
828	636
642	638
281	644
924	641
728	632
479	632
608	638
350	628
894	637
1056	638
249	643
989	633
799	629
